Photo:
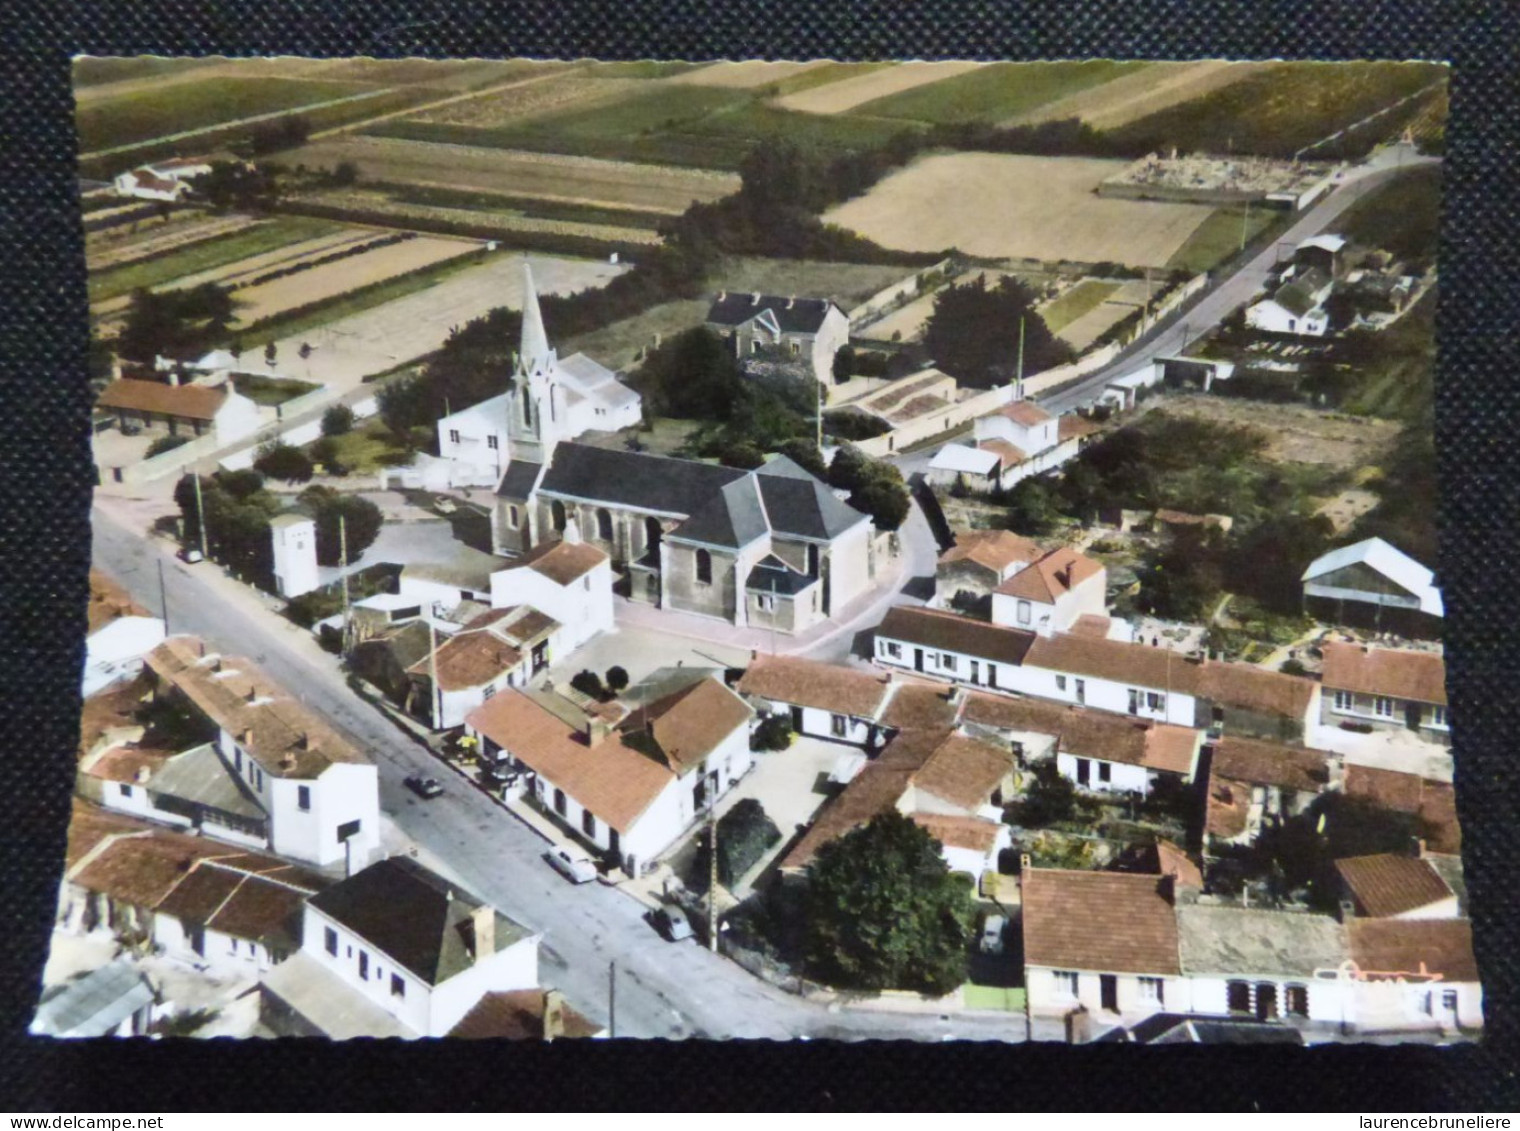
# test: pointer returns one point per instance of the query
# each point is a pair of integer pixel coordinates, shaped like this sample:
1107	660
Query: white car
992	934
576	868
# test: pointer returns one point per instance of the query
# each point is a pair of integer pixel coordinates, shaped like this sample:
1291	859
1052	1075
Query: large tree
884	912
178	324
973	333
360	519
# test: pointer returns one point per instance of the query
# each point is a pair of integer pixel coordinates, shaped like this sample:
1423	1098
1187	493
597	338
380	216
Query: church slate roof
772	575
792	315
519	479
799	504
634	479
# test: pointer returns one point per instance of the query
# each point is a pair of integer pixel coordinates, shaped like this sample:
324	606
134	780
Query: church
770	548
576	394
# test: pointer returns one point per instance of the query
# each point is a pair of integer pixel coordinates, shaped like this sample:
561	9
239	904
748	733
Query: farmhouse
167	180
772	547
1297	307
1386	689
548	399
1255	785
1017	441
978	563
628	784
198	409
273	774
396	951
1374	585
810	330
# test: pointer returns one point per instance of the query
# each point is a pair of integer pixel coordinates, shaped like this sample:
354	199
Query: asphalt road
662	989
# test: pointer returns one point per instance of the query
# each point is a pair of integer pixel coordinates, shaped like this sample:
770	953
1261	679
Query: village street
662	989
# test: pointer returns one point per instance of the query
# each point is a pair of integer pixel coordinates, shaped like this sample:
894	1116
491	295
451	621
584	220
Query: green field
1402	216
1284	108
689	126
996	92
439	197
98	71
1087	295
150	114
1218	237
216	252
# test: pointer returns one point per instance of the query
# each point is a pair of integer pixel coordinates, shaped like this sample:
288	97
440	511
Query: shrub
337	420
617	679
329	454
588	683
773	733
1048	798
745	832
166	444
281	461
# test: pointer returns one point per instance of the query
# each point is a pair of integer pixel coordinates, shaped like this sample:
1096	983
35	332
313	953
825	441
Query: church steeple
534	352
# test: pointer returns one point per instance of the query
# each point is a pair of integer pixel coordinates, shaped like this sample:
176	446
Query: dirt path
1139	93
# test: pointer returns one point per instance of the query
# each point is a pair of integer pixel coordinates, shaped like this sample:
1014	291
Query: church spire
535	342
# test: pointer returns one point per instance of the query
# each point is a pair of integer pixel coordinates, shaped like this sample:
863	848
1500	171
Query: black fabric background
44	537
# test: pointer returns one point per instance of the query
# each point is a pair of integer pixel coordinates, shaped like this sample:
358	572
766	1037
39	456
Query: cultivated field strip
846	94
526	100
507	220
117	247
584	180
746	75
1133	96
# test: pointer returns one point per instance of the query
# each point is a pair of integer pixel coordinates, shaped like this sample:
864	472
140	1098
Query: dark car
671	922
425	788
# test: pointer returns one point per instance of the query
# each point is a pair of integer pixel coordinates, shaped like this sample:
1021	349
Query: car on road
425	788
671	922
190	557
576	868
992	934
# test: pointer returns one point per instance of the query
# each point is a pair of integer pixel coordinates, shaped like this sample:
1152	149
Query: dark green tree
1048	798
360	519
885	500
337	420
883	911
284	462
617	679
805	454
973	333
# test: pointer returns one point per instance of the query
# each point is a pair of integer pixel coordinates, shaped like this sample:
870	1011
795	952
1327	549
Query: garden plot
905	324
846	94
586	180
1299	434
746	75
1005	206
1115	302
254	304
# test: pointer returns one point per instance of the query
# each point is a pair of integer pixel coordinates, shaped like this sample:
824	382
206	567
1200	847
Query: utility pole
712	874
200	513
612	998
436	696
818	420
1018	376
1145	310
343	565
163	596
1245	224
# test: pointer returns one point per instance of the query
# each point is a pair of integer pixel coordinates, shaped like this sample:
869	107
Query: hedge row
332	257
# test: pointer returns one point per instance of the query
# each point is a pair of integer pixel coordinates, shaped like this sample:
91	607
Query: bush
338	420
847	424
589	684
166	444
1048	798
241	484
745	832
329	454
773	733
342	518
617	679
281	461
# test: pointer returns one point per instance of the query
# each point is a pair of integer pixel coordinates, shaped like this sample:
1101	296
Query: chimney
554	1014
142	774
287	761
754	299
1348	911
483	923
597	729
246	737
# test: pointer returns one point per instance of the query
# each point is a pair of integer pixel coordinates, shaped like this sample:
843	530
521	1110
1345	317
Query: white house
1296	307
627	784
218	410
1049	595
496	650
116	650
979	561
1386	689
826	701
399	940
811	330
569	581
1372	584
550	399
294	539
1020	439
167	180
1412	975
1107	754
952	647
309	793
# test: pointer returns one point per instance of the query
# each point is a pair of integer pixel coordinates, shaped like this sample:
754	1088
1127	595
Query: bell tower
536	401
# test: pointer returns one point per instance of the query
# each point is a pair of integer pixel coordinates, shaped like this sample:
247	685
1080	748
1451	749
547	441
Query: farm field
1084	297
122	245
746	75
1005	206
620	345
442	75
1284	107
845	283
554	177
905	324
163	110
503	220
994	92
1218	237
388	334
1136	92
1299	434
254	304
545	93
857	90
1115	302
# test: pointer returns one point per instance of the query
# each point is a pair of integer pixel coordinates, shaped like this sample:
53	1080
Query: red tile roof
994	549
519	1015
469	659
691	723
109	601
1173	861
1009	455
562	562
1386	885
1398	674
917	706
1433	803
1385	949
1257	762
1026	413
1052	577
1073	427
808	683
973	833
158	398
1108	922
964	771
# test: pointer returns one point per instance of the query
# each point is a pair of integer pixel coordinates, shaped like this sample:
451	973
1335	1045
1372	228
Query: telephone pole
1018	377
436	696
200	513
818	420
712	874
1245	225
612	998
163	596
343	565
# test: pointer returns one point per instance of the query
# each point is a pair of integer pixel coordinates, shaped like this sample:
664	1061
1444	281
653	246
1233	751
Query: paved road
1217	303
663	990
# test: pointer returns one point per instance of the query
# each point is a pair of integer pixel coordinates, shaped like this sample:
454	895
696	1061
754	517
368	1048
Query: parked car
190	557
671	922
992	934
575	868
425	788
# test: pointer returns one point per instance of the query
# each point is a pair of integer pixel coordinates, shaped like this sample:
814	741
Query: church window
704	567
512	517
527	404
557	515
491	441
604	524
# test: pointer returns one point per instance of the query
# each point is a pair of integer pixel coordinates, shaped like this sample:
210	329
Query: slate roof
796	502
1383	948
772	575
793	315
1109	922
634	479
951	633
1252	941
1399	674
1387	885
415	916
158	398
518	481
809	683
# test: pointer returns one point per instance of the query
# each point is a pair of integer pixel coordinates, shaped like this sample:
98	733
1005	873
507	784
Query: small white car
992	934
575	868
